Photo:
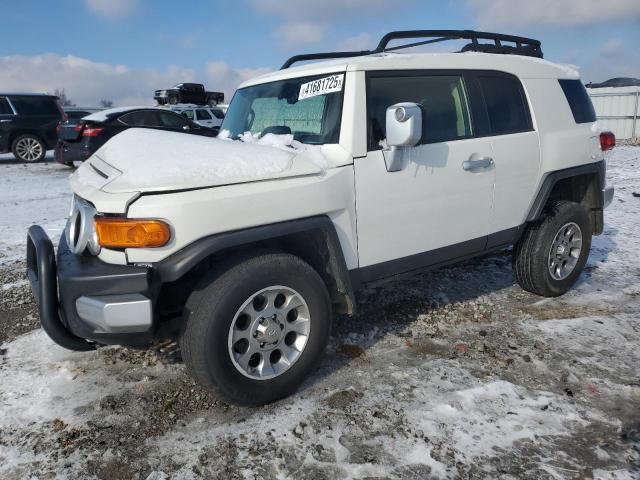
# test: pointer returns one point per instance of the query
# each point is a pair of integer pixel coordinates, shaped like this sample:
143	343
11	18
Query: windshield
308	107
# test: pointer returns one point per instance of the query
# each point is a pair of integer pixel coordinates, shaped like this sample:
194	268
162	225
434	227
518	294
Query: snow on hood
151	160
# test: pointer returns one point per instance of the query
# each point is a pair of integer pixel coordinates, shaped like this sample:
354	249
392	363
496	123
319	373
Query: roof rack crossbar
523	46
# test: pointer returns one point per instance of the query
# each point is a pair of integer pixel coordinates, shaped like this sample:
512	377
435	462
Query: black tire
212	102
173	100
30	156
531	255
211	309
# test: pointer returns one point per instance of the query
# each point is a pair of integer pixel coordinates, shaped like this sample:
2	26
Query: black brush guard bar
523	46
41	272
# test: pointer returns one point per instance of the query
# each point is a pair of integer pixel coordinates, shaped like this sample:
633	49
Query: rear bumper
83	300
68	153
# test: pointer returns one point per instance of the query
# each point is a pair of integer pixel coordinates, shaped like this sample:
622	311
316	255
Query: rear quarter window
506	104
579	101
35	106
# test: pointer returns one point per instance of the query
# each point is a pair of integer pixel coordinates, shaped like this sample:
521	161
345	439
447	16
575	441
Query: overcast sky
124	49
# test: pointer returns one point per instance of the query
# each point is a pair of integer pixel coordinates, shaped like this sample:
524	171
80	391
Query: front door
438	207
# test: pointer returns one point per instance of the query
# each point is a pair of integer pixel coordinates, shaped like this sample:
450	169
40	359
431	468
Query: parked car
204	116
28	124
79	139
242	247
188	93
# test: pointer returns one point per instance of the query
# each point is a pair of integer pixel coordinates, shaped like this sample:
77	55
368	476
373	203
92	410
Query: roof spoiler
515	45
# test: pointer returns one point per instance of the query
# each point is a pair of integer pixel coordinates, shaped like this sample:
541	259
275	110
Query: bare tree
106	103
62	96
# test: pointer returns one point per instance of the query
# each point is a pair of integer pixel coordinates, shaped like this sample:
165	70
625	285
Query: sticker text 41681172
321	86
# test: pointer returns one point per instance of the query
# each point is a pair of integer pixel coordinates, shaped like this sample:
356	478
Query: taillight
607	141
91	131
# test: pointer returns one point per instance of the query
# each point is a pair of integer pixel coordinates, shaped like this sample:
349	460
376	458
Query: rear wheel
258	329
28	148
553	251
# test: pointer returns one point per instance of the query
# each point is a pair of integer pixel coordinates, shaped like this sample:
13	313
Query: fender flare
551	178
181	262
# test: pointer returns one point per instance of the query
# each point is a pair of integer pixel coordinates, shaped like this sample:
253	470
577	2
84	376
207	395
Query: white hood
139	160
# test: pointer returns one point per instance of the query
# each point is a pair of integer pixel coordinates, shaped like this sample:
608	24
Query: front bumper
82	299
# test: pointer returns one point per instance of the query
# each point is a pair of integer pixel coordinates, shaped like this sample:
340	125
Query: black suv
188	93
28	124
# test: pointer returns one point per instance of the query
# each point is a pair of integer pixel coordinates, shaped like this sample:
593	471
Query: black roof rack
523	46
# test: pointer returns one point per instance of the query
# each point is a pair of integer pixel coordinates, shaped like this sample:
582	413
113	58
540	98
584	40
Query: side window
445	108
579	101
202	114
5	108
188	114
35	106
172	120
506	104
141	118
217	113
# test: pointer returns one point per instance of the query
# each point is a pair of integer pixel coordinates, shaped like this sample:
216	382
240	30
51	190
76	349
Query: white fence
617	109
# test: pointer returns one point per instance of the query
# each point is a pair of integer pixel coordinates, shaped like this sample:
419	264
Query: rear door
39	113
7	121
204	118
516	152
436	208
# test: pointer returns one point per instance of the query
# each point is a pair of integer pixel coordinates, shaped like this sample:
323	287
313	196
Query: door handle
477	162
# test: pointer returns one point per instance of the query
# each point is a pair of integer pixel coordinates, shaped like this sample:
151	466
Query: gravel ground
454	373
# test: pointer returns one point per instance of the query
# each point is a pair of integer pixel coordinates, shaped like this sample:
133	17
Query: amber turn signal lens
131	233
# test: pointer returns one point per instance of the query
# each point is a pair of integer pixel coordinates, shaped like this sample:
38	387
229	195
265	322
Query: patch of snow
156	160
31	194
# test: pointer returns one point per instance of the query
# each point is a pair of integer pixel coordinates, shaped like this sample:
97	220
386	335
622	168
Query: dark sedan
79	139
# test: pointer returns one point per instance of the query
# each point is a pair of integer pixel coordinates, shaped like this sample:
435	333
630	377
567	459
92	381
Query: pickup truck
188	93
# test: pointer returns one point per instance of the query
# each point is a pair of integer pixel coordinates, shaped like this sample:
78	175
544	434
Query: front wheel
552	252
256	331
173	100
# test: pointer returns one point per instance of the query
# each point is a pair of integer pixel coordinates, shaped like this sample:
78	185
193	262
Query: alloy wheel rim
29	149
565	251
269	332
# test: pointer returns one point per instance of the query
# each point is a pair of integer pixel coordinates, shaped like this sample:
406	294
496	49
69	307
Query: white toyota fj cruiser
324	178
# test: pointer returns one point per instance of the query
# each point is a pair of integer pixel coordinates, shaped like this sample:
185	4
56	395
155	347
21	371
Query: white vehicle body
460	205
324	178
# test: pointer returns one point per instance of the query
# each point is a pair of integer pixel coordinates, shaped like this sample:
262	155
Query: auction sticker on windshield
321	86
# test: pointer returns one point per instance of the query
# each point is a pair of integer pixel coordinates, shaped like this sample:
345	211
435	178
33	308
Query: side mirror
404	130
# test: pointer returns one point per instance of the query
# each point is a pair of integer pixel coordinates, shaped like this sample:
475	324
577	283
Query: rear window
35	106
141	118
5	108
506	105
579	101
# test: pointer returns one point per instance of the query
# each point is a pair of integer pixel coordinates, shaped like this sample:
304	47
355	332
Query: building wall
618	110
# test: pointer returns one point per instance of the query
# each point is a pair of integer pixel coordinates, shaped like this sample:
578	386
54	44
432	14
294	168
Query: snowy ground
455	373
